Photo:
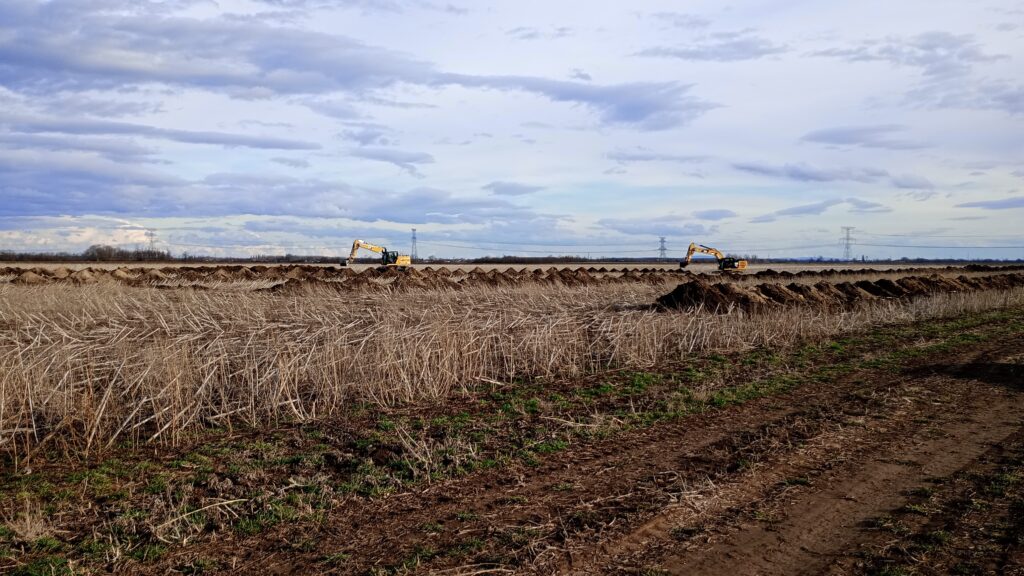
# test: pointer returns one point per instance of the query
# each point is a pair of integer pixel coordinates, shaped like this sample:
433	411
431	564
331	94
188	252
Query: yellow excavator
388	258
725	263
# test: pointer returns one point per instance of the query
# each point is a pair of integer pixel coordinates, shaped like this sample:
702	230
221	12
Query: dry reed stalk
105	364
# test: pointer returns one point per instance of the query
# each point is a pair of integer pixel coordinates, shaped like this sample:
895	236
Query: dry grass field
297	420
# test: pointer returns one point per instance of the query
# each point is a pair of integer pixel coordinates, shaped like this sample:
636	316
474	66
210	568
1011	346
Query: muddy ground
895	451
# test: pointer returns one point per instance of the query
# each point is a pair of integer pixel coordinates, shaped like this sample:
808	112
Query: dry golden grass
83	368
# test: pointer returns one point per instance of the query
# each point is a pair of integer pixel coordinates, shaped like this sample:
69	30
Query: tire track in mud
941	435
603	473
617	486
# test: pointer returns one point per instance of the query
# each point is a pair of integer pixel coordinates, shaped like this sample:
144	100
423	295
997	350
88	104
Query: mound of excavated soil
698	294
725	296
121	275
152	276
83	277
29	278
779	294
60	273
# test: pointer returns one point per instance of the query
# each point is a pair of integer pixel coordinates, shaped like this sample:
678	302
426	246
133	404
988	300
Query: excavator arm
725	263
366	246
702	249
387	257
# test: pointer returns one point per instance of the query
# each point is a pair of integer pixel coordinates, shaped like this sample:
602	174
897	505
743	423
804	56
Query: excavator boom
389	258
725	263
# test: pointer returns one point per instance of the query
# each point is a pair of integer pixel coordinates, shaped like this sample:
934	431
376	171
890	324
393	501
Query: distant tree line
105	253
94	253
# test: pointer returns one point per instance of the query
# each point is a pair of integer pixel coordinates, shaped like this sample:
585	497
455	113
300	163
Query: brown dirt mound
121	275
695	295
222	276
892	289
912	286
29	278
872	288
724	296
83	277
745	297
810	294
854	293
779	294
296	273
153	275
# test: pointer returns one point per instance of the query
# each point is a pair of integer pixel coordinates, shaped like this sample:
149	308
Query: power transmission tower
847	241
661	247
412	252
152	240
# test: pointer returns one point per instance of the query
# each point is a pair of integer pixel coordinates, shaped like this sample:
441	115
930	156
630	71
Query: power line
764	249
944	247
942	235
575	245
648	251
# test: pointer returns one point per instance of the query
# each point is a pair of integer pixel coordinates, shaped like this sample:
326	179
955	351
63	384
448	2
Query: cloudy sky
518	127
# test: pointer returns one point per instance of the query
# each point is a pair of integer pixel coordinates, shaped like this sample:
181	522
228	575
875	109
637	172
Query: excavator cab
731	264
388	257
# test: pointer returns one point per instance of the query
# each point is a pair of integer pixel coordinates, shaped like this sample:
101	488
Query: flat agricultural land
477	420
701	265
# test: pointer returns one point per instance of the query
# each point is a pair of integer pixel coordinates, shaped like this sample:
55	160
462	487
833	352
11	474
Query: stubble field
309	419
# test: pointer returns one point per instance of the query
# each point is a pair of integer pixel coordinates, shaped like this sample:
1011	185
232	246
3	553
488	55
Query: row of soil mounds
299	276
293	277
445	279
721	297
773	274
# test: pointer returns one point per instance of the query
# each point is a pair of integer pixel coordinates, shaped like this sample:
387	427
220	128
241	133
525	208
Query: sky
238	127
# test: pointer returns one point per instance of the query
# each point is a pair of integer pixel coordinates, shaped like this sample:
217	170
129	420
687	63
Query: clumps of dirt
780	294
83	277
29	278
296	273
721	297
122	276
152	276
